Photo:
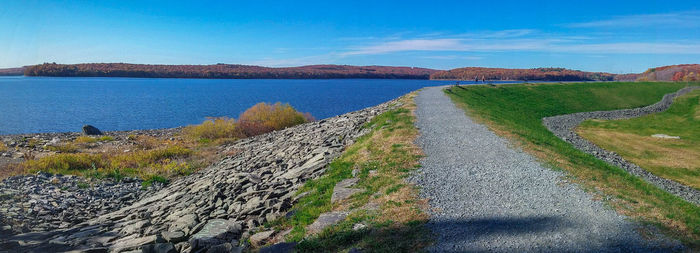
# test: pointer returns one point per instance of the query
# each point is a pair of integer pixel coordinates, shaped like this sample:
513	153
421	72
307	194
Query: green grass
676	159
516	111
681	119
388	150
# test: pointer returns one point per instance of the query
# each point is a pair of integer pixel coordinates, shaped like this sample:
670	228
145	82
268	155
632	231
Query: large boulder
91	130
215	232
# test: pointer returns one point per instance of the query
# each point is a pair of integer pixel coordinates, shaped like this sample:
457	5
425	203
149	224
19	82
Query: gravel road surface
486	195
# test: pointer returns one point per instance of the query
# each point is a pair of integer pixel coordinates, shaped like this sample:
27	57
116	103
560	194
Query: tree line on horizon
677	73
535	74
225	71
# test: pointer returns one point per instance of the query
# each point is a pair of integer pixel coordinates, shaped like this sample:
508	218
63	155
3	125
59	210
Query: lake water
46	104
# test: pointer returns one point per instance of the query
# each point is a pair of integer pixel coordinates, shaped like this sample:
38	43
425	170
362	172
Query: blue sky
612	36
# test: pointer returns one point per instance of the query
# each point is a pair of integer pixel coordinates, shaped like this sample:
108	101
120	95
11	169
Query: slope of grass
381	159
676	159
516	111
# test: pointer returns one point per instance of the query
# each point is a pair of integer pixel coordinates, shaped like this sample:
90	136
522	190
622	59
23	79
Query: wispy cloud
502	34
449	44
296	61
453	57
631	48
676	19
525	41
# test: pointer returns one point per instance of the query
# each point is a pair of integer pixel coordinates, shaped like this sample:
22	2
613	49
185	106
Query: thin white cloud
502	34
473	45
452	57
298	61
631	48
503	43
676	19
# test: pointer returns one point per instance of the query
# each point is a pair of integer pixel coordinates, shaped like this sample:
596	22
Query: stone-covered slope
216	206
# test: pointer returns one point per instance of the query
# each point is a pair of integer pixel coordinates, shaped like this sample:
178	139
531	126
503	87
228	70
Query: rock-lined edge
272	165
563	126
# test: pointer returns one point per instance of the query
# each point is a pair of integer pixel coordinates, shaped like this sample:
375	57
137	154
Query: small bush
146	142
259	119
147	158
3	147
85	140
213	129
106	138
64	163
32	143
263	118
148	182
63	148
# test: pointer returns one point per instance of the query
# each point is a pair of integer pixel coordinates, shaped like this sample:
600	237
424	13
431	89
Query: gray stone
342	190
184	223
215	232
259	239
359	226
134	228
174	236
224	248
355	250
132	243
325	220
159	248
283	247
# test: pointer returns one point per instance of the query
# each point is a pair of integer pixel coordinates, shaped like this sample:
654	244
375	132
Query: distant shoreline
226	71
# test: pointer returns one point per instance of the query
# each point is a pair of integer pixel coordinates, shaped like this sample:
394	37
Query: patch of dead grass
675	159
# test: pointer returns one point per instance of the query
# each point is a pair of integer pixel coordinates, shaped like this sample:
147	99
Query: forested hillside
676	73
12	72
536	74
226	71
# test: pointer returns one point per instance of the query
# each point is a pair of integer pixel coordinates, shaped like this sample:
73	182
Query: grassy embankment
382	159
675	159
516	111
158	159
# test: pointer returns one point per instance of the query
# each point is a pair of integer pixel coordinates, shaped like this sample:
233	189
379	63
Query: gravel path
563	127
487	196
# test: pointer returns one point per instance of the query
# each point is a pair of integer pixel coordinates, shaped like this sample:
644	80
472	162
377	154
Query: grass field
676	159
516	111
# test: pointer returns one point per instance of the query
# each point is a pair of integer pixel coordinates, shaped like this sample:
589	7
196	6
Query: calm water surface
46	104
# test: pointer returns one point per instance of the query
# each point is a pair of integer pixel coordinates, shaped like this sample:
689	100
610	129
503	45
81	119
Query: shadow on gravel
475	228
528	234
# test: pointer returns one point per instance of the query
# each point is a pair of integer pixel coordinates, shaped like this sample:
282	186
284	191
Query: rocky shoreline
563	126
44	201
34	145
217	208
